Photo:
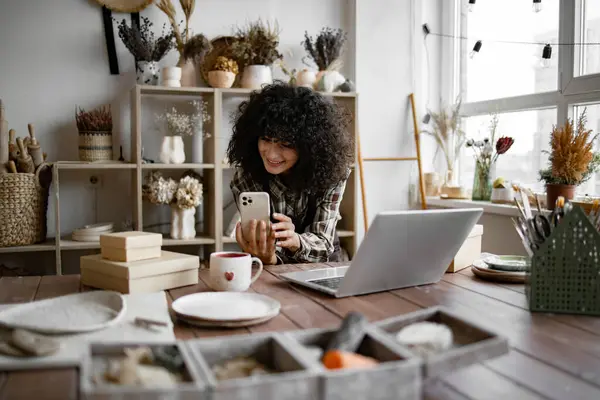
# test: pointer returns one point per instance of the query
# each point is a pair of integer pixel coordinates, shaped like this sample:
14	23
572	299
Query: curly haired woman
292	143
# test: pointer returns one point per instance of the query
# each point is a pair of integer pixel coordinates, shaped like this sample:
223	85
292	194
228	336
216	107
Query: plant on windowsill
485	160
450	139
572	160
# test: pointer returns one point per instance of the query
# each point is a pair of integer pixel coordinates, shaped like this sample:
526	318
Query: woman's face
278	157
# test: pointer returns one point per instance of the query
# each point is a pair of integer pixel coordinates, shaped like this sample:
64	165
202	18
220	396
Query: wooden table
552	356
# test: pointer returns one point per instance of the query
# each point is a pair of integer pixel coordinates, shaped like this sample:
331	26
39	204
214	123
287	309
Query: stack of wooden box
134	262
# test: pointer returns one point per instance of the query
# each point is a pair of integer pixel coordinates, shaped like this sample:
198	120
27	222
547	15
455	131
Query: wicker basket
95	146
23	205
565	270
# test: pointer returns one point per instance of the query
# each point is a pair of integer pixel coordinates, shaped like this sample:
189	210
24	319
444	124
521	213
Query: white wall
53	57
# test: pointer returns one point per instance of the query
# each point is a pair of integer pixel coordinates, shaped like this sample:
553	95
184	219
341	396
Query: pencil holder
565	270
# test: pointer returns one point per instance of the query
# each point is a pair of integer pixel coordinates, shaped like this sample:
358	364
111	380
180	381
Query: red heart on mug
229	276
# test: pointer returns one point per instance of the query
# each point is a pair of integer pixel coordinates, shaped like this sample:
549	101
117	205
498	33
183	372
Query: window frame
572	90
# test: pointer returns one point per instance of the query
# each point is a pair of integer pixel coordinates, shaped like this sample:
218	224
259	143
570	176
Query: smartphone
254	205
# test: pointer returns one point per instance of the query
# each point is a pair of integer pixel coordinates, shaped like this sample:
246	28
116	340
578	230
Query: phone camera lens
244	203
250	201
244	198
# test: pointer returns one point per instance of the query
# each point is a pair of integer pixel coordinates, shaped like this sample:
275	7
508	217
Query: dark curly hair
313	124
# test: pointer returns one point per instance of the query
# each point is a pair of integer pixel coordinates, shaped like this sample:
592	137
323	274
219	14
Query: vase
171	76
147	73
221	79
172	150
183	223
306	78
329	81
554	191
482	182
189	73
255	76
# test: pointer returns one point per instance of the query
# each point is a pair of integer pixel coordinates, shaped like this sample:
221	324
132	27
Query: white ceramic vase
183	223
306	78
171	76
254	76
147	73
172	150
329	81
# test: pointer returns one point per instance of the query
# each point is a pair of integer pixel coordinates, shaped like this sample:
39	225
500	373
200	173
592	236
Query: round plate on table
226	324
508	263
225	306
483	271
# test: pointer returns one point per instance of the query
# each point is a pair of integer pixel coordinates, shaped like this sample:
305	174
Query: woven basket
95	146
23	205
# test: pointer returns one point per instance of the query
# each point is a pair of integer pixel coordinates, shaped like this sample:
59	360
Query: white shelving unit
211	168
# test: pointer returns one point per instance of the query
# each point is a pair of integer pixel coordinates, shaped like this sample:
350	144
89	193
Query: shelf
80	165
345	234
227	239
181	242
48	245
245	92
178	166
66	243
181	91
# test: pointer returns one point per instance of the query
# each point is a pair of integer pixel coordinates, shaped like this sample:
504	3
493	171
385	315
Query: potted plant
326	52
450	139
256	49
572	160
485	160
182	196
95	134
146	49
223	73
191	48
179	124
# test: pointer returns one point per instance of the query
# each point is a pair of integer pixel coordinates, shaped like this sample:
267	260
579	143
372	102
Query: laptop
401	249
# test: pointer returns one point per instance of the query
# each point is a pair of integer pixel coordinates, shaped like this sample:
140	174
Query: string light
471	5
546	56
476	49
537	5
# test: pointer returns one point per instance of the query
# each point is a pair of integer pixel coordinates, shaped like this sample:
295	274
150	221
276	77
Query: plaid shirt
316	243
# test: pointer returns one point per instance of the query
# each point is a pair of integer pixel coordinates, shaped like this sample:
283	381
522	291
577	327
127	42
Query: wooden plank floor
551	357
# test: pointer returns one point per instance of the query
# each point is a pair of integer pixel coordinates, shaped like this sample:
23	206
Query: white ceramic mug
231	271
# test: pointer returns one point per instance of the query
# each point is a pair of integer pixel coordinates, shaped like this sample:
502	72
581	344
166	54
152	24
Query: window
509	79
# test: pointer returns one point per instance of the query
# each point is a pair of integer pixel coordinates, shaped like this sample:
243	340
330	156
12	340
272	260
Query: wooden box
130	246
192	388
470	251
295	381
170	271
472	343
397	377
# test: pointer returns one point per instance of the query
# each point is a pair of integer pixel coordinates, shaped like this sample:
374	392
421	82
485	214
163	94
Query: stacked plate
91	233
225	309
502	268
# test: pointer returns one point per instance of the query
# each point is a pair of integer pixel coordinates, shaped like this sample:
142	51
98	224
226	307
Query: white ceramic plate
482	266
73	313
225	306
507	263
226	324
96	228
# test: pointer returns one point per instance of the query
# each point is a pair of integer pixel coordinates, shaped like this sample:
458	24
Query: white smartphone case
254	205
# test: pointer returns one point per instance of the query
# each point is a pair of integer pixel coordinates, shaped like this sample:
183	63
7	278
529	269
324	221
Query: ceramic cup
232	271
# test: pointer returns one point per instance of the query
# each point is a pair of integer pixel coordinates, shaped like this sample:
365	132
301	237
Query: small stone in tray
239	367
9	350
426	338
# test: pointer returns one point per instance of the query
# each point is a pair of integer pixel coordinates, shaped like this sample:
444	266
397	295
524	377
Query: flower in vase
504	144
189	193
181	123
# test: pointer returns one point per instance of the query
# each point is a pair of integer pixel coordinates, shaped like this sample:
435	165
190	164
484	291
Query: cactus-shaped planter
565	270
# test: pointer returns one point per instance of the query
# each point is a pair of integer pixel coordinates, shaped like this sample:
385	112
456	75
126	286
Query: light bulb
471	5
537	5
546	56
476	49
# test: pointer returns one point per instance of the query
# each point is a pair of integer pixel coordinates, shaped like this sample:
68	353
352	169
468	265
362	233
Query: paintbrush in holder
24	162
33	147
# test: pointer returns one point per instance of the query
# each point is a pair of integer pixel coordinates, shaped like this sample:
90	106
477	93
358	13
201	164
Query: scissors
542	227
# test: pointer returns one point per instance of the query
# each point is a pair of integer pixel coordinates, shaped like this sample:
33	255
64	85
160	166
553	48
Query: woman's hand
285	233
261	245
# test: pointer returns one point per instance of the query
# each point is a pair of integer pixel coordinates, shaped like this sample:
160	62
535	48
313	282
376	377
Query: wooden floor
552	356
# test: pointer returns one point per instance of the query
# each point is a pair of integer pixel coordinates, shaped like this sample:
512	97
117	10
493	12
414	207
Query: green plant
256	44
572	160
225	64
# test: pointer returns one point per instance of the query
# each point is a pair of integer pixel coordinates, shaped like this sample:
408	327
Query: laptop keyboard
332	283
